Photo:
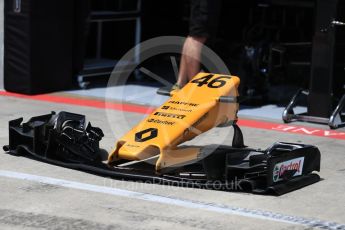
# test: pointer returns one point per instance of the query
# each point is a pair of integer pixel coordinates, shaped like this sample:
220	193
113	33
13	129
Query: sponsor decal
177	109
132	146
183	103
169	115
157	121
295	164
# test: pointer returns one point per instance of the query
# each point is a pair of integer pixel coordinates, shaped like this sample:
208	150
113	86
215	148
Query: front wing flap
64	139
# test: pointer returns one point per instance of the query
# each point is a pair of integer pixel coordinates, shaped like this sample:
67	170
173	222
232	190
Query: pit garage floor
38	195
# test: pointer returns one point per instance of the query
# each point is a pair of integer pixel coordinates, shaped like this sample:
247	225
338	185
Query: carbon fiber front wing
64	139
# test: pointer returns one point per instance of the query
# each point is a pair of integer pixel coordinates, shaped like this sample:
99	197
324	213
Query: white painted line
257	214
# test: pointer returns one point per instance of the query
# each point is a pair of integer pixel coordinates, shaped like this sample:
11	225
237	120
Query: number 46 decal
218	82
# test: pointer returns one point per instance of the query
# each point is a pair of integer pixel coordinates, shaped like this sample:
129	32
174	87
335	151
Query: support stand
336	119
320	98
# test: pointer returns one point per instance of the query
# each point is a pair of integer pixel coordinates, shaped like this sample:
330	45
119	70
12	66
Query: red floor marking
291	128
82	102
287	128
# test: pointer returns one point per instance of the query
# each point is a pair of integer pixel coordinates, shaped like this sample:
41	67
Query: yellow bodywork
187	113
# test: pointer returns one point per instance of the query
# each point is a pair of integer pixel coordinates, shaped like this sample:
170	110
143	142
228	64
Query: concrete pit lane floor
36	195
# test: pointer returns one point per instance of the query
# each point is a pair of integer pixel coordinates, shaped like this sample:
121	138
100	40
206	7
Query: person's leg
190	59
202	25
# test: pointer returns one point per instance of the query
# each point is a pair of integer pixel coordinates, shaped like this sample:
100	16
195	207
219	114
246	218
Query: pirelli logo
169	115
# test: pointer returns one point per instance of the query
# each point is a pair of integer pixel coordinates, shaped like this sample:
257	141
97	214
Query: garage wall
1	44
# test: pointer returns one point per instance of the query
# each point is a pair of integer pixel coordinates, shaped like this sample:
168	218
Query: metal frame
320	98
115	16
336	120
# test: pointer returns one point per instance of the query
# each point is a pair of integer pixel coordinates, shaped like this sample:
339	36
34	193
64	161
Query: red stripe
82	102
291	128
297	129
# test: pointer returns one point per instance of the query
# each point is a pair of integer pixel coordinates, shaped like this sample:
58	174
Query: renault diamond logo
146	135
